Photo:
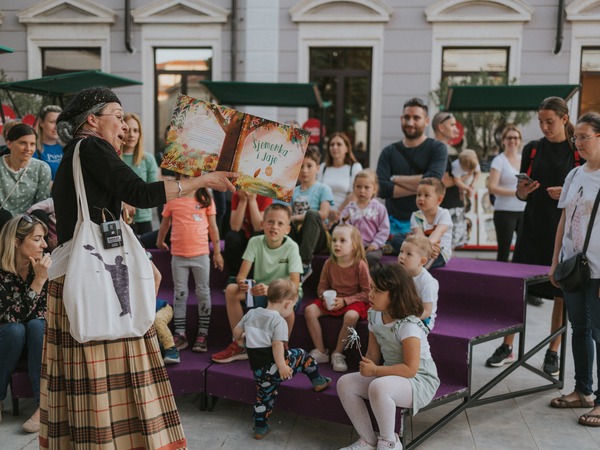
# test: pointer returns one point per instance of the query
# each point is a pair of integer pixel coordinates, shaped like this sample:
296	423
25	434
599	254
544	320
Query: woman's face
512	140
132	136
33	245
552	125
48	127
111	126
588	141
23	148
338	149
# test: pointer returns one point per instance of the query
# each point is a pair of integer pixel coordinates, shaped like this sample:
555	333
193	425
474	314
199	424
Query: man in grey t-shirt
403	164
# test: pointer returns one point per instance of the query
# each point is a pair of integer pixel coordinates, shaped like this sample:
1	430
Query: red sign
461	134
9	114
314	126
29	119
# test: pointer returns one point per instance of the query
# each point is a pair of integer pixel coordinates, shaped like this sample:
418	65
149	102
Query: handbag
573	273
108	293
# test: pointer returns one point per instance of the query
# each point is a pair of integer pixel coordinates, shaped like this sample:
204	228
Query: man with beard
403	164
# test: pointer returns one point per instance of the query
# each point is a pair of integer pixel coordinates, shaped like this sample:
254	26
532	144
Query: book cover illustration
206	137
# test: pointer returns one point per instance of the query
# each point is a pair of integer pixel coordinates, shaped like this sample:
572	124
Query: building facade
367	56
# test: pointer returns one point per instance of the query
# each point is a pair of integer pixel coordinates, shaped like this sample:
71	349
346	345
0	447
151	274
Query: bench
478	301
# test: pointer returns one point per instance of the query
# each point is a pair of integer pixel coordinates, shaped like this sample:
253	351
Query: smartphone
524	177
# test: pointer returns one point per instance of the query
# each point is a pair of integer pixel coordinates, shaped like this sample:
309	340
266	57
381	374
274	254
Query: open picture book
205	137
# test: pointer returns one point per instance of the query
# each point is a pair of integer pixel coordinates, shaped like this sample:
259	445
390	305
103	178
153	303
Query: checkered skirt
104	394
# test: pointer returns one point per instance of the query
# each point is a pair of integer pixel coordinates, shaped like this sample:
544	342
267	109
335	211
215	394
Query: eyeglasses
512	138
117	115
29	219
574	139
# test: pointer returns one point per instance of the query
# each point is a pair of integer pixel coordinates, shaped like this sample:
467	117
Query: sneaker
306	272
181	341
338	361
534	301
172	355
201	344
320	383
551	363
502	355
384	444
361	444
232	353
261	432
320	358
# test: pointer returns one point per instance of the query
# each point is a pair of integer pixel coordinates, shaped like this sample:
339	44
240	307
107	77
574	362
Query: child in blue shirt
311	203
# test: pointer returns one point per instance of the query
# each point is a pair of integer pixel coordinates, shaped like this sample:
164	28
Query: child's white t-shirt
442	217
427	288
459	172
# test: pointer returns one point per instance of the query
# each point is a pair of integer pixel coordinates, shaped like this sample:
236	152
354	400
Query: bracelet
180	193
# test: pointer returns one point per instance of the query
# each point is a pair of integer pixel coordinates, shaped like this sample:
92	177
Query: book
205	137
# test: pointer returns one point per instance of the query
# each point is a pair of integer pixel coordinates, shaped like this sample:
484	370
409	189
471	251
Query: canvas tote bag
108	293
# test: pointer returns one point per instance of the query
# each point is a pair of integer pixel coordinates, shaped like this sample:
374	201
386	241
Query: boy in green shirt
274	255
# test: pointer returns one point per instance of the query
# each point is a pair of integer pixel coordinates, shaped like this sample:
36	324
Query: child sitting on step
271	255
264	333
413	256
346	272
192	220
433	221
408	377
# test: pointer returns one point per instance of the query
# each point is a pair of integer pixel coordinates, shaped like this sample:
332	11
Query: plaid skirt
104	394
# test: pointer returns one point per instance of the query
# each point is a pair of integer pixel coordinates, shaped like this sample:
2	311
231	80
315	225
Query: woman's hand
524	188
367	368
371	248
551	275
218	181
40	266
554	192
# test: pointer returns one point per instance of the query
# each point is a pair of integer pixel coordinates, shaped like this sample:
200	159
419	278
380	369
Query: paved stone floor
523	423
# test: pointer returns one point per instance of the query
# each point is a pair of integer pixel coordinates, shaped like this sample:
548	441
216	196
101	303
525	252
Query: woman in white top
338	172
583	306
508	209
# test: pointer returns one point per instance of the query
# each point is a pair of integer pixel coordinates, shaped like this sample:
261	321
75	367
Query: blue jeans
13	339
583	310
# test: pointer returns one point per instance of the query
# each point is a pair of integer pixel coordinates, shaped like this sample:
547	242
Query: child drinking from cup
346	272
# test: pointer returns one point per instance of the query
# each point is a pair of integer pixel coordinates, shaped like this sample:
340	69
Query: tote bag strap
83	212
588	234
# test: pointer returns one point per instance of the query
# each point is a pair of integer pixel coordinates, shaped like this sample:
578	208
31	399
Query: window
590	80
459	63
344	79
64	60
178	70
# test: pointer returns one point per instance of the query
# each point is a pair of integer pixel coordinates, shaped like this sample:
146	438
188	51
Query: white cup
330	297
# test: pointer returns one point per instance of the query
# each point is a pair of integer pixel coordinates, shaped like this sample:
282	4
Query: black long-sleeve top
108	182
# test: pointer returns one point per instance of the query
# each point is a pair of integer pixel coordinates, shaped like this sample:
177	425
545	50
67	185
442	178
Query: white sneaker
320	358
384	444
338	361
361	444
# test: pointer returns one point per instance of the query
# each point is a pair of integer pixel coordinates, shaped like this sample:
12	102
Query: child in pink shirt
192	220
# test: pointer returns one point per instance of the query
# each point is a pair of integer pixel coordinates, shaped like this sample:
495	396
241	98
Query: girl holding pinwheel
408	377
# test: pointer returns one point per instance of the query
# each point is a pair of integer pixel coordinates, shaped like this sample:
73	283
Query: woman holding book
85	417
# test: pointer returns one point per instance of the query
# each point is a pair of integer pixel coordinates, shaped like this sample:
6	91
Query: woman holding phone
547	162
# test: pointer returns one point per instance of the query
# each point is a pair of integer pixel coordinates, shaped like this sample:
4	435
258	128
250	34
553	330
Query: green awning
68	83
504	98
4	49
265	94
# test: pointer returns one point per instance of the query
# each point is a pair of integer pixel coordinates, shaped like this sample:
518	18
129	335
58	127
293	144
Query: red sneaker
232	353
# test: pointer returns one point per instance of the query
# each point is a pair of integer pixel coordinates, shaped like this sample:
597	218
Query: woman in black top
87	388
547	161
